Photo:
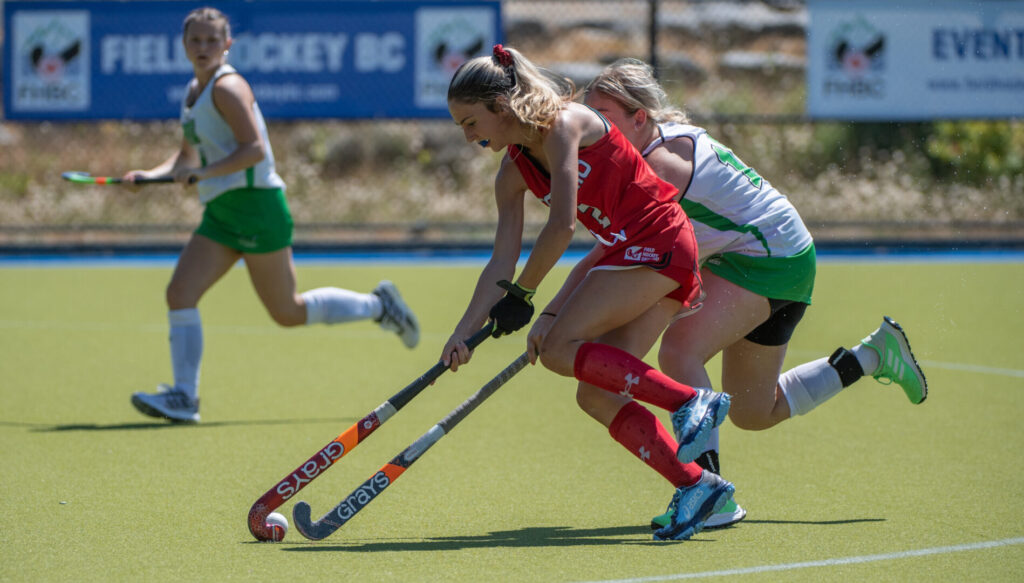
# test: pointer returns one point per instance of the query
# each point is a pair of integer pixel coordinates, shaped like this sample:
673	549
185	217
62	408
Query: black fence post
653	35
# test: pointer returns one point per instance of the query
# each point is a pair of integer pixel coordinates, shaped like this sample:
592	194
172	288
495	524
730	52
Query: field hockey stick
387	474
86	178
341	445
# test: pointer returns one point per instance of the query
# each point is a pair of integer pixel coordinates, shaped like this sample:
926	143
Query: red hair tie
504	57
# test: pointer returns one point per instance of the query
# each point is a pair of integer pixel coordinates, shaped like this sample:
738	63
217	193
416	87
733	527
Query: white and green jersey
207	131
745	228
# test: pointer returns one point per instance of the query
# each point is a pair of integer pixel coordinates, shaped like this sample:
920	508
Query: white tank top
207	131
733	209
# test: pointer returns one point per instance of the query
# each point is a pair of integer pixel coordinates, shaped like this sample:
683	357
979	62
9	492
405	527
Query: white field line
824	562
975	368
1009	372
372	332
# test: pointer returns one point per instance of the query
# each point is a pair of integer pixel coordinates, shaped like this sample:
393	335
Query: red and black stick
339	446
386	475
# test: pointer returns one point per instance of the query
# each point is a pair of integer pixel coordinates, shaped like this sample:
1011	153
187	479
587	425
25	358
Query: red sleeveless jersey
618	196
626	207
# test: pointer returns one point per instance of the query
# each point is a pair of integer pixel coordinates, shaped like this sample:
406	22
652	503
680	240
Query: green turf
527	488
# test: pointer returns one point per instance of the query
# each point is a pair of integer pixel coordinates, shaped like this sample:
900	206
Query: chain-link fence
736	66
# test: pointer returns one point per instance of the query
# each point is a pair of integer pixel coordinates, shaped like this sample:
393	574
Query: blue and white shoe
730	514
167	403
694	421
692	505
396	316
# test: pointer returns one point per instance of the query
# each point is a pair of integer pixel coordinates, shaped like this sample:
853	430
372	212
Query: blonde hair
531	94
207	14
631	82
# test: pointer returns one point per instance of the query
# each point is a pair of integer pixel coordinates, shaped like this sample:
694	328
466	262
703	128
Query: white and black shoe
167	403
396	316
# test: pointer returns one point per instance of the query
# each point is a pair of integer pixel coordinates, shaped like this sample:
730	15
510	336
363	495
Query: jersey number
725	156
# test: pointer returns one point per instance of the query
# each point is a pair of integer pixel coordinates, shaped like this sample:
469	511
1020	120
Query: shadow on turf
548	536
44	428
552	536
818	522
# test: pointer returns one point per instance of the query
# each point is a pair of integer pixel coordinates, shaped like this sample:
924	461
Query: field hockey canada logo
311	469
50	64
856	61
361	497
446	38
646	255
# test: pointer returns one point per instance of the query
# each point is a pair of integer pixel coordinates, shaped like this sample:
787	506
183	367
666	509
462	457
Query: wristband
516	290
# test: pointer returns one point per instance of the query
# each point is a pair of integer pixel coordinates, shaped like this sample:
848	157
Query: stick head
86	178
78	177
259	526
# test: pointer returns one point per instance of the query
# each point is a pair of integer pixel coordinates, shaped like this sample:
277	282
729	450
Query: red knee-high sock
639	431
620	372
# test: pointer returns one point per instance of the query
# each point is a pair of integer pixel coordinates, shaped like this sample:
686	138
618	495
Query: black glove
513	311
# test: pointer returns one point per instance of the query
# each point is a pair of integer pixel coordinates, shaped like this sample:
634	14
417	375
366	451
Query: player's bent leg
637	337
201	264
727	315
601	405
273	277
751	372
589	315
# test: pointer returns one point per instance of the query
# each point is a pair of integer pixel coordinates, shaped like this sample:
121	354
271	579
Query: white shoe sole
142	406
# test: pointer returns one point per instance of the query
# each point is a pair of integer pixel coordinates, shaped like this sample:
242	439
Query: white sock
331	305
186	349
712	441
808	385
868	358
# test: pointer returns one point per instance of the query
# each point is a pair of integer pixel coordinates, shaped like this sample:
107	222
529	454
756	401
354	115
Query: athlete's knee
179	296
676	361
600	404
751	420
287	315
557	357
587	397
288	319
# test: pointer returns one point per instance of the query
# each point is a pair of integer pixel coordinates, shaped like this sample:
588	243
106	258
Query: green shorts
250	220
778	278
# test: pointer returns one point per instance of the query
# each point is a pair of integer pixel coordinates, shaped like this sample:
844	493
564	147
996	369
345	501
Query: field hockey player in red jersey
758	269
225	153
583	169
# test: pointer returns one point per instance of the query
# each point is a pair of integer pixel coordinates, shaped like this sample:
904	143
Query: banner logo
856	61
446	38
50	64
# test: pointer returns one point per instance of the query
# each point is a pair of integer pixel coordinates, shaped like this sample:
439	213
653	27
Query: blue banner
304	59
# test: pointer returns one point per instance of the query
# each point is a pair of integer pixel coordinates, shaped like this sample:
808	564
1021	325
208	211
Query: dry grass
424	173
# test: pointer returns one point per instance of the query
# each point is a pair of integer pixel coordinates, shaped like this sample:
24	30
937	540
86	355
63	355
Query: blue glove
513	311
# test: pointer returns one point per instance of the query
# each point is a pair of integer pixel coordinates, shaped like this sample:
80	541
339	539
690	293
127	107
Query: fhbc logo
51	61
856	61
446	38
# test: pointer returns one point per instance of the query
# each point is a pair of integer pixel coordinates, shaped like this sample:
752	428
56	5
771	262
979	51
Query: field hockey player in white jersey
758	269
225	153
